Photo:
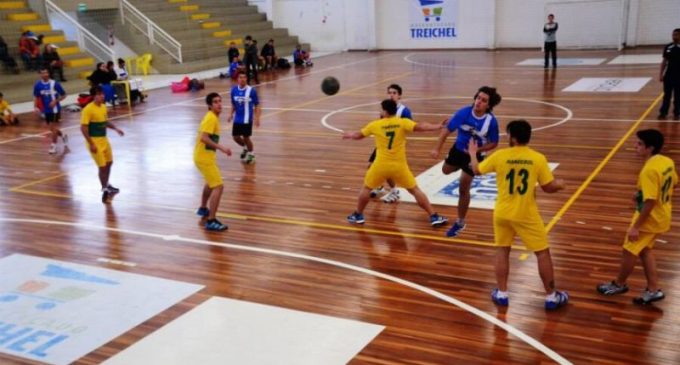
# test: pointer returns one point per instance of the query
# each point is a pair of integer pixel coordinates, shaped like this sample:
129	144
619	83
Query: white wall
336	25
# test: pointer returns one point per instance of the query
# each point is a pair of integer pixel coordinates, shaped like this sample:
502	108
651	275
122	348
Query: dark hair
551	15
249	38
240	72
120	60
651	138
676	30
1	95
96	90
494	97
520	130
389	106
209	99
395	87
43	68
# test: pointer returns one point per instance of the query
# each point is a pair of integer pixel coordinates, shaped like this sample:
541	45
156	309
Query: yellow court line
602	164
37	182
306	223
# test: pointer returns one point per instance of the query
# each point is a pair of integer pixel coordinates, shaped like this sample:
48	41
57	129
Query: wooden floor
296	197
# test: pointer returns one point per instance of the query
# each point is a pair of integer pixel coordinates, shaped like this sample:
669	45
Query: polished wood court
294	200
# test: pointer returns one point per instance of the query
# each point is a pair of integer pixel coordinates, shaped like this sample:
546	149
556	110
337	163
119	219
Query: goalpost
590	24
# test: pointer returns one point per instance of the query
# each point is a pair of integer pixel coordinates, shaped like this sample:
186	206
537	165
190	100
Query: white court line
324	119
408	59
203	97
448	299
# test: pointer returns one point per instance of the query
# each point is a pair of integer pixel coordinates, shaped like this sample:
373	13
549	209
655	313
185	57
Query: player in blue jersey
476	121
394	92
47	95
244	112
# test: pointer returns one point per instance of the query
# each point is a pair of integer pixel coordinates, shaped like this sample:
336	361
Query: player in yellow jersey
205	158
652	217
518	169
93	124
390	163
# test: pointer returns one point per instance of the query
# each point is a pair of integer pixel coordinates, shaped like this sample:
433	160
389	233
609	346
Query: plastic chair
143	63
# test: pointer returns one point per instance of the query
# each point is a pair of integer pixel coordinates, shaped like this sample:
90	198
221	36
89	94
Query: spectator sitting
29	51
6	115
269	55
135	85
7	60
53	62
301	57
233	53
102	77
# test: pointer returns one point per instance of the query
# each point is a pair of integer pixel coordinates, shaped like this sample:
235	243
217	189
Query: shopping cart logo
432	9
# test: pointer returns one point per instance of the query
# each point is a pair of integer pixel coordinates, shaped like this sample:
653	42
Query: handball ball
330	85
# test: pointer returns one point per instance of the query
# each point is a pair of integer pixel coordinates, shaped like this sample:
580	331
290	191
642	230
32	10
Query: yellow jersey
4	105
211	125
517	169
656	182
390	138
95	118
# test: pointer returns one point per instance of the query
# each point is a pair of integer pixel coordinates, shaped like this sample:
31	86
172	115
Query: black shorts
240	129
461	160
372	158
52	117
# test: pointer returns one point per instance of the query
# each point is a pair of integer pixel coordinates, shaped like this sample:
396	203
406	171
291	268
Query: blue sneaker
437	220
215	225
203	212
503	302
455	229
356	217
561	299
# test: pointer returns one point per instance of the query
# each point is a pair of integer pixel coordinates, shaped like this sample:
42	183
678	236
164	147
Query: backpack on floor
282	63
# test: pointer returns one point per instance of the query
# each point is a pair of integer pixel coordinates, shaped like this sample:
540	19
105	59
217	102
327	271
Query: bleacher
203	27
15	18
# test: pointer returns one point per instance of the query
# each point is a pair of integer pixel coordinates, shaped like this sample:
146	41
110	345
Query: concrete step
23	91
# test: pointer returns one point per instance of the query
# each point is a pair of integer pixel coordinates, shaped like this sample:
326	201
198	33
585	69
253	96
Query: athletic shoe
561	299
105	196
675	117
502	301
64	138
377	191
112	189
391	197
437	220
662	117
612	288
649	297
356	218
244	153
250	158
455	229
215	225
203	211
53	149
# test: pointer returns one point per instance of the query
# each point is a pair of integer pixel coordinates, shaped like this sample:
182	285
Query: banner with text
433	19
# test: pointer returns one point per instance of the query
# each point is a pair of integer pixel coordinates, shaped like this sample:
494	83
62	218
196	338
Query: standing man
476	121
550	43
93	124
250	59
652	217
245	110
394	92
47	95
670	76
205	158
519	168
390	163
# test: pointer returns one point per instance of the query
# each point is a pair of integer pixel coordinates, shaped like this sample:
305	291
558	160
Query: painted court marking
431	292
569	113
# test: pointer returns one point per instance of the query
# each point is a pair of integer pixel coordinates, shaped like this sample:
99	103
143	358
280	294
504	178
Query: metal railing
156	35
86	40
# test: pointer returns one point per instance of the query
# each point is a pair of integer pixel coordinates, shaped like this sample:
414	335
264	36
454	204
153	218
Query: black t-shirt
233	52
671	52
267	50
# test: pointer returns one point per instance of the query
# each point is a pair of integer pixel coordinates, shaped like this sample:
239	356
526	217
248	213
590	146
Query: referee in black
670	76
250	59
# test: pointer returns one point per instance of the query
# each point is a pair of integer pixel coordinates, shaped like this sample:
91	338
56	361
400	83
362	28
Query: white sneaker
391	197
250	158
53	149
377	191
